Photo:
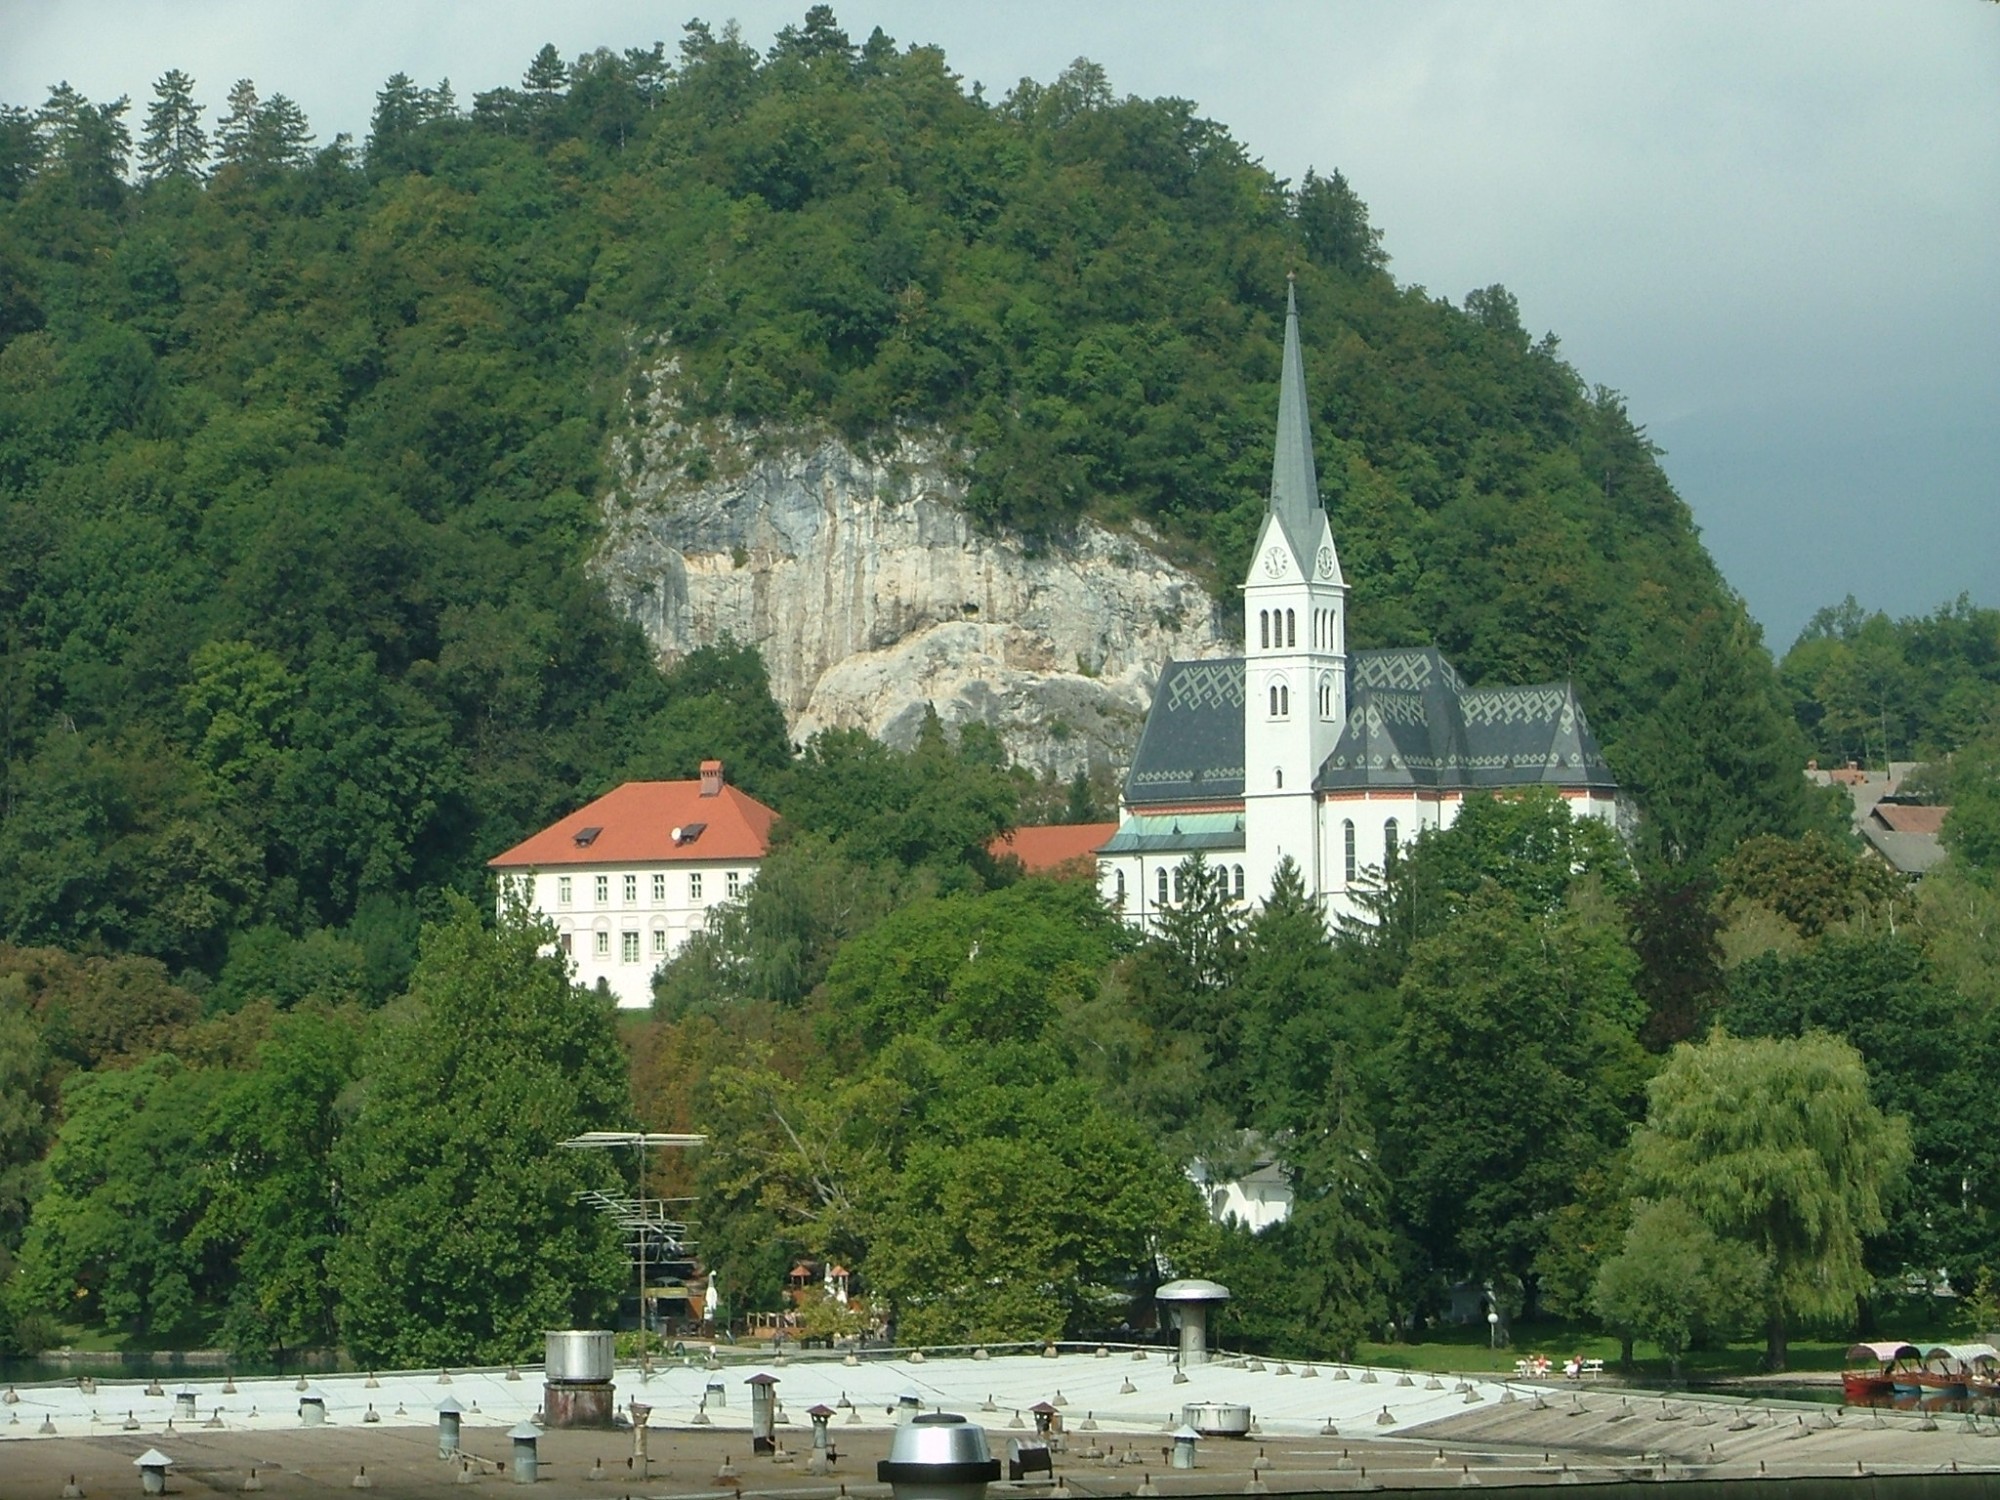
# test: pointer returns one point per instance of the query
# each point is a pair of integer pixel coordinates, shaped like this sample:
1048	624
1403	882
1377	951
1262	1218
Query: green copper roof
1294	479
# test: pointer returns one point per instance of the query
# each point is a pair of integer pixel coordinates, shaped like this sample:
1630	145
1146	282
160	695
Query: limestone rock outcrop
872	595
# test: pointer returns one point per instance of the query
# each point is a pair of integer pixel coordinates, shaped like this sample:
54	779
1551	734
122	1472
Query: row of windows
1231	877
628	945
601	888
1281	699
1391	846
1279	628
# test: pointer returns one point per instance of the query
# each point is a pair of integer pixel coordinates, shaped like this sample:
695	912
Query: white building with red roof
628	878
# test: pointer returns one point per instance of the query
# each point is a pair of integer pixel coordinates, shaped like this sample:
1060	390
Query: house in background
1901	832
1256	1195
627	879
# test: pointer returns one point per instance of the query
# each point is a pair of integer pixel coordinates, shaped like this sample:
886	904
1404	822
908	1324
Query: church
1300	749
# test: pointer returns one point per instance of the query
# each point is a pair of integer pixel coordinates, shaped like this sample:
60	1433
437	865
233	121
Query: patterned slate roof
1192	746
1411	722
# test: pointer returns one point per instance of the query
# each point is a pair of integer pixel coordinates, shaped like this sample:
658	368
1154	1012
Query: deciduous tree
1777	1146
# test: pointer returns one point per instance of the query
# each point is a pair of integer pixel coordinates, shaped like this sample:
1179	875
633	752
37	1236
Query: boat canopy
1886	1354
1963	1355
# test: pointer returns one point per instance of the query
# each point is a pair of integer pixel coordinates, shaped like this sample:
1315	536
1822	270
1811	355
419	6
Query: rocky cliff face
871	596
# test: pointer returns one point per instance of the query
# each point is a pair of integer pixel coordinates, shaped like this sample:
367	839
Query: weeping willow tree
1775	1145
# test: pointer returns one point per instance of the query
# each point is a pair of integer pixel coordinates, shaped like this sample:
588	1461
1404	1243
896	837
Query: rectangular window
603	945
631	889
735	879
659	889
563	942
694	887
562	890
659	942
628	947
603	889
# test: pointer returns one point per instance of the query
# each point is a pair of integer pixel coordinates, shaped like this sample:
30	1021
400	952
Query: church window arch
1347	842
1392	836
1161	883
1180	884
1278	777
1264	628
1291	627
1238	873
1326	697
1120	897
1284	701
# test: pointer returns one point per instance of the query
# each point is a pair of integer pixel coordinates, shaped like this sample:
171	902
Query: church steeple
1294	643
1294	479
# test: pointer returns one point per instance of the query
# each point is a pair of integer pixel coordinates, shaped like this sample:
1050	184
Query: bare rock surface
872	594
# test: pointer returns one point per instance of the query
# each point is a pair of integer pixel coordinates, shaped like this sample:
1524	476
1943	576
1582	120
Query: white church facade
1304	750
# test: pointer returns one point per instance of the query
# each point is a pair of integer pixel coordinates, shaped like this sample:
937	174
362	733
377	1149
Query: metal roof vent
585	837
938	1456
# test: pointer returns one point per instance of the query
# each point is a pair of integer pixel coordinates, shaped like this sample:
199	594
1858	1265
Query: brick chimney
711	778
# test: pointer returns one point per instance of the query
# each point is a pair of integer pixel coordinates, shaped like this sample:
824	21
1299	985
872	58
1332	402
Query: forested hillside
304	450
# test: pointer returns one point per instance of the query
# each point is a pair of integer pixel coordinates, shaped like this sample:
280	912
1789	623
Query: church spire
1294	480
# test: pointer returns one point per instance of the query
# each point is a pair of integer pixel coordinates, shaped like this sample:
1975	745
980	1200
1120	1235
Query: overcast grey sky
1772	226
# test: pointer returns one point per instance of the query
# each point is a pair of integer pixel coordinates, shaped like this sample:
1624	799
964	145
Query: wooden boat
1972	1366
1949	1368
1871	1370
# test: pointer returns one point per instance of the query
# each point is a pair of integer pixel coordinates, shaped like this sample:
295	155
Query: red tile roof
1043	849
1902	818
635	825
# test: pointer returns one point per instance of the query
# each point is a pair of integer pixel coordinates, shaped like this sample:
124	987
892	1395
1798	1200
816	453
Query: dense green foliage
302	449
1870	689
1777	1145
464	1231
303	456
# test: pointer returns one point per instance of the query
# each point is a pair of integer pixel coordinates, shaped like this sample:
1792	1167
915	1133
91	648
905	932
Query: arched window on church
1264	628
1291	627
1119	899
1326	697
1278	777
1238	873
1284	701
1274	700
1162	883
1391	845
1347	839
1180	884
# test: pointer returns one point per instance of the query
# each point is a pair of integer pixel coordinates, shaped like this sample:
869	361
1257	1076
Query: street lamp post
1493	1327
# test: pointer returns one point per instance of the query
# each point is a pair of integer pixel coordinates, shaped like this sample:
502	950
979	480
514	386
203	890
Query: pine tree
85	146
174	144
546	76
236	130
399	109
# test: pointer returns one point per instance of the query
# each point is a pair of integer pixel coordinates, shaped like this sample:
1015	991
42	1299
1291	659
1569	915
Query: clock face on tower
1274	561
1326	562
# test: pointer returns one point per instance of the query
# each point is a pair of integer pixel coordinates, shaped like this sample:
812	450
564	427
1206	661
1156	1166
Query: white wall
623	934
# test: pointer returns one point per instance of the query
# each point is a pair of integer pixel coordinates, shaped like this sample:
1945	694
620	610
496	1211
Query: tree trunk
1774	1343
1625	1352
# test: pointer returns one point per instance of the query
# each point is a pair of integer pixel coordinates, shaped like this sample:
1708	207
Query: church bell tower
1294	646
